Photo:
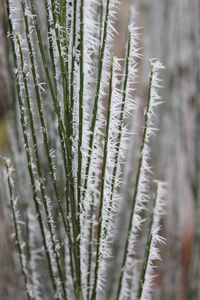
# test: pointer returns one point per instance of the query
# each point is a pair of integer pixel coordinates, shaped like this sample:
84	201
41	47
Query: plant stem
136	185
73	63
125	83
90	247
79	170
95	108
148	249
93	297
50	44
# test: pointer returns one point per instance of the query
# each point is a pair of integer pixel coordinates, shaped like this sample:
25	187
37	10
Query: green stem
61	42
50	44
95	108
79	170
136	185
93	297
65	45
147	252
73	63
100	12
117	148
90	246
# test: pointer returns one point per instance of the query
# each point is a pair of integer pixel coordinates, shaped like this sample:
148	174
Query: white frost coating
154	254
142	196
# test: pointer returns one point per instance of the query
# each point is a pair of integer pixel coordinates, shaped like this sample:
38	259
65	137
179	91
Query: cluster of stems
90	95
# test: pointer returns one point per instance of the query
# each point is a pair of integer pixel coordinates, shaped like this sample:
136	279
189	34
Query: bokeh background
170	31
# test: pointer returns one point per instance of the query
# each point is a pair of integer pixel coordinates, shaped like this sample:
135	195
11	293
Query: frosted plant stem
147	252
79	170
93	297
16	229
64	68
50	44
81	90
90	251
136	185
100	8
63	7
152	251
95	108
125	83
71	250
65	45
73	62
39	169
90	247
28	154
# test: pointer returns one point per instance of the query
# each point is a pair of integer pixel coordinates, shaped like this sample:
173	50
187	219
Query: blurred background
170	31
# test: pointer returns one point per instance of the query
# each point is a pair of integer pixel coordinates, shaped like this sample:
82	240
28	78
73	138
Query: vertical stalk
61	35
100	12
95	108
136	185
65	45
93	297
90	246
148	249
79	171
50	44
121	117
73	63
